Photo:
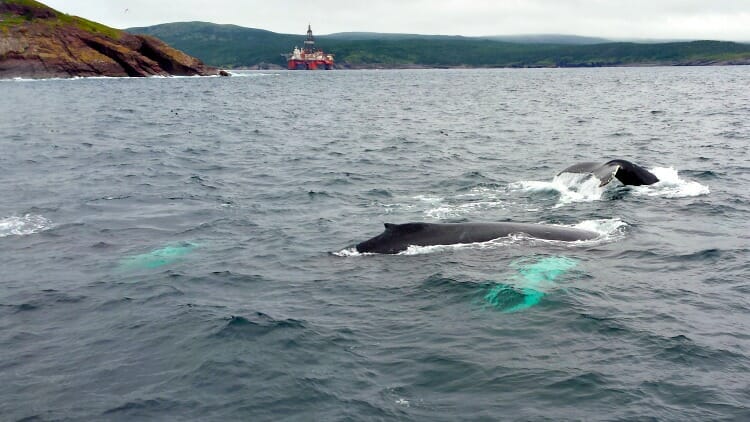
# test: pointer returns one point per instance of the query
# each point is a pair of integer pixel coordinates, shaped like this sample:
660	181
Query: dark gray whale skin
398	237
626	172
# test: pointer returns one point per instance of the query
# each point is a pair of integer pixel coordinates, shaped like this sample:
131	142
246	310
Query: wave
568	188
454	211
258	324
156	405
350	252
22	226
572	187
670	185
609	229
110	78
250	73
477	199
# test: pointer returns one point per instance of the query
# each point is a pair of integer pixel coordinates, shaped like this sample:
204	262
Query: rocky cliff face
39	42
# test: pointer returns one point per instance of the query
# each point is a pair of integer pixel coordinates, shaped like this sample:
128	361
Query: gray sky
672	19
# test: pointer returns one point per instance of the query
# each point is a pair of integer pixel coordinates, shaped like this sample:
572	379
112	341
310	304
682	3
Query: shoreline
466	67
356	68
347	66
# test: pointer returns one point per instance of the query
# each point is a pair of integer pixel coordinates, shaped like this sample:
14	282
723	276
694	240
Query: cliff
37	41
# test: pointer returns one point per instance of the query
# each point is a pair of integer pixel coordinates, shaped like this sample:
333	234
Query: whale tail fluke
604	172
626	172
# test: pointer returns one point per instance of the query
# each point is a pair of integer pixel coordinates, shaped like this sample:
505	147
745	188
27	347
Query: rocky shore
39	42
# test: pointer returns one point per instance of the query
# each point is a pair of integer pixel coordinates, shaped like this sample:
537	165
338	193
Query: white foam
72	78
424	250
249	74
491	244
478	199
670	185
572	187
111	78
608	229
457	210
427	198
22	226
349	252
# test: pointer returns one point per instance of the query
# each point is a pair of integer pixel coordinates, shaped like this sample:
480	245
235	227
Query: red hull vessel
309	58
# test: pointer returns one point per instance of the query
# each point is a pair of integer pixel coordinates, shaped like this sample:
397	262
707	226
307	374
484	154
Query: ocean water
181	248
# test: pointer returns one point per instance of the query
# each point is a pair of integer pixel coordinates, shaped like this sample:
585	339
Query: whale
626	172
398	237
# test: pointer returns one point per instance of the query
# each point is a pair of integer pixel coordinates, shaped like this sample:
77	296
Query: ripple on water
255	325
257	322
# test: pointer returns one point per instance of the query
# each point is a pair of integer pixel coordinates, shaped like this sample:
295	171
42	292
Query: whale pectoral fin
508	298
531	297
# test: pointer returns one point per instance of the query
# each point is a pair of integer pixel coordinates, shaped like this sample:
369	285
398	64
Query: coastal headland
37	41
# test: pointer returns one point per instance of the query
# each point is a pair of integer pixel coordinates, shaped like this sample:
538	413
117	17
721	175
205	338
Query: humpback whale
626	172
398	237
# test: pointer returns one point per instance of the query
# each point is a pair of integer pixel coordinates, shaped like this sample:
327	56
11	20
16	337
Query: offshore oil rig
309	58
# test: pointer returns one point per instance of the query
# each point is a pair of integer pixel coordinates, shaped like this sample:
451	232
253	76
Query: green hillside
234	46
226	45
37	41
19	12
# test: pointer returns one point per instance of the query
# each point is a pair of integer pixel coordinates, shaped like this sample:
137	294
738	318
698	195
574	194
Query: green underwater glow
529	286
158	257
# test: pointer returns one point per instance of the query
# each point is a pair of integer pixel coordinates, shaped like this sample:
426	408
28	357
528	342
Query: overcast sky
671	19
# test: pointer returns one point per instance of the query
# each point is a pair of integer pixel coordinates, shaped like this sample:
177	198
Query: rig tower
308	58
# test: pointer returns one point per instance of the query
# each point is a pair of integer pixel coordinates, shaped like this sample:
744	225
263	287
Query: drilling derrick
309	58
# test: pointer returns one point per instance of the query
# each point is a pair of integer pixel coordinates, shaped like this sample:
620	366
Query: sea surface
182	248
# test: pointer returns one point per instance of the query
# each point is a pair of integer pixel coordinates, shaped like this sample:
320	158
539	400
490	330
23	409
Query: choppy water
180	249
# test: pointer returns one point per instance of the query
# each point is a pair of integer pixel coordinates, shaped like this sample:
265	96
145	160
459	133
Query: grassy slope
224	45
232	46
59	20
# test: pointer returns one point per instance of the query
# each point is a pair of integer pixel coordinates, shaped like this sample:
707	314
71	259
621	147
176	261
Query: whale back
398	237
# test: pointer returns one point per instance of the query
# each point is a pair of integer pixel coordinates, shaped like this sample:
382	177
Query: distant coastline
235	47
345	66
